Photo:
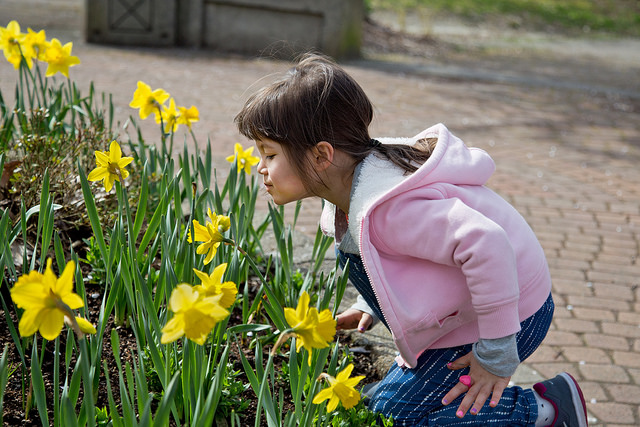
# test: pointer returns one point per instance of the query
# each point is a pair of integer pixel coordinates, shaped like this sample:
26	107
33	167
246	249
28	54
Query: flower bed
175	315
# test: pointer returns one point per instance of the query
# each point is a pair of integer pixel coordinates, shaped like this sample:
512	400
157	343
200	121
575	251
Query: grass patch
619	17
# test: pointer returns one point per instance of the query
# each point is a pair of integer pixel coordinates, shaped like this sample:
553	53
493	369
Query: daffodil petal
51	323
29	322
202	275
290	316
352	382
200	231
303	305
323	395
218	272
108	182
64	284
203	248
211	254
27	294
97	174
173	330
345	373
333	403
73	301
102	158
124	161
182	297
115	153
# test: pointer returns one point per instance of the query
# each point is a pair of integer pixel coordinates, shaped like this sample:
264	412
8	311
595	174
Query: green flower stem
56	379
72	101
163	135
43	87
271	414
281	322
88	400
24	68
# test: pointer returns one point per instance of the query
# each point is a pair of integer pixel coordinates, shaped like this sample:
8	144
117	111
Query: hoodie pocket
430	321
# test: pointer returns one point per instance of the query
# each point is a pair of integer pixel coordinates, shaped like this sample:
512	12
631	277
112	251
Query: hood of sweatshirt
452	162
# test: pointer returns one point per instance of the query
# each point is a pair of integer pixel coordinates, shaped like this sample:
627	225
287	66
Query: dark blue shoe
564	394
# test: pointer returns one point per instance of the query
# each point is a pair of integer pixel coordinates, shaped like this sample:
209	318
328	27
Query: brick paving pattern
567	159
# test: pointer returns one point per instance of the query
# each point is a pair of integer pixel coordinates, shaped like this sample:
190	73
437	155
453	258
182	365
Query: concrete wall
281	28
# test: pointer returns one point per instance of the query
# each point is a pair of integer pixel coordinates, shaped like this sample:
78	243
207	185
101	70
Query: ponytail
407	157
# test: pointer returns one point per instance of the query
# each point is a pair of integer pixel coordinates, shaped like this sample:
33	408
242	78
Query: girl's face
279	176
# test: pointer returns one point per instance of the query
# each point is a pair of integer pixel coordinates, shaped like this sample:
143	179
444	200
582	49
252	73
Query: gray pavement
566	145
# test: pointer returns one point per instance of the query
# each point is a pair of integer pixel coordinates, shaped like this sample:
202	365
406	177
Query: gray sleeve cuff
362	305
498	356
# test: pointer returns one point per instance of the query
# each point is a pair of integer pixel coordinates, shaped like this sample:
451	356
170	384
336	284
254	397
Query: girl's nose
262	169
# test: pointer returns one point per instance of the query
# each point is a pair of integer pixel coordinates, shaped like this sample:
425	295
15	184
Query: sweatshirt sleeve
498	356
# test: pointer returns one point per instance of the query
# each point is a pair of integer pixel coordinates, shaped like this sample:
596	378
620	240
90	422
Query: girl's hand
483	384
353	318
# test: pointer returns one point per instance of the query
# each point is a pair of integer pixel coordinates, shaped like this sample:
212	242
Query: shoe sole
577	398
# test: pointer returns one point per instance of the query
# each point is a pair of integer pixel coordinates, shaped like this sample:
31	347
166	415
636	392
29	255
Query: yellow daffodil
341	390
148	101
210	234
110	166
11	40
244	158
194	315
36	44
312	329
46	300
188	116
59	58
213	285
169	116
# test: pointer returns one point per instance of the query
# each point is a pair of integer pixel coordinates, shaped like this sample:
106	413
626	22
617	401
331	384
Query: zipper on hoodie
366	270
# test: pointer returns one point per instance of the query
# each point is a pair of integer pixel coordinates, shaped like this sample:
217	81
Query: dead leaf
7	171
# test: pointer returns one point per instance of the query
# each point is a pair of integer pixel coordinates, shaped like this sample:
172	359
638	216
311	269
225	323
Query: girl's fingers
463	386
467	383
349	319
461	362
481	398
475	397
453	394
496	395
463	408
365	321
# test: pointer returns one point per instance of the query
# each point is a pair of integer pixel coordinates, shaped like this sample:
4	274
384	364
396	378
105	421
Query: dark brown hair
315	101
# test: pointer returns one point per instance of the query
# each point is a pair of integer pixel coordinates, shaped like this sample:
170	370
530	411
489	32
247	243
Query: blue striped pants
414	396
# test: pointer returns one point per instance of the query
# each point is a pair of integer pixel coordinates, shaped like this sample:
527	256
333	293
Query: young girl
449	267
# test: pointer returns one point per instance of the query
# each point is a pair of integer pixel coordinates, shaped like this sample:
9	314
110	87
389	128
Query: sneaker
563	392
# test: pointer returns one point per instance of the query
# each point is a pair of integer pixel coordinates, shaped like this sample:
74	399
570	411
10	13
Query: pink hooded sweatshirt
449	260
